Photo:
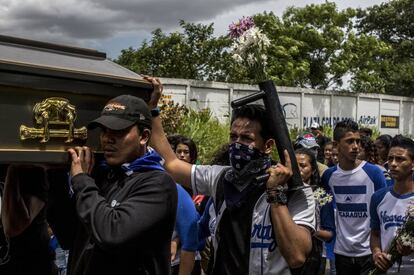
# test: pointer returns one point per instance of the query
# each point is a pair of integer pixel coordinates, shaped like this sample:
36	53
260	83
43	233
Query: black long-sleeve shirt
124	226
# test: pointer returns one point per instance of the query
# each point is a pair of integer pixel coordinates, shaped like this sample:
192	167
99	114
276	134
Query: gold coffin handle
35	133
50	116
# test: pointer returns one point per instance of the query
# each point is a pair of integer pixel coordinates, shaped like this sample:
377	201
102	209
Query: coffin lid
54	60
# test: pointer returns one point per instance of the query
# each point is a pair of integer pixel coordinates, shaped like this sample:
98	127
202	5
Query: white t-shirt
387	215
265	257
352	192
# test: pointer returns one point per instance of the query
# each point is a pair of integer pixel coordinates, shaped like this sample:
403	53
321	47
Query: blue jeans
332	266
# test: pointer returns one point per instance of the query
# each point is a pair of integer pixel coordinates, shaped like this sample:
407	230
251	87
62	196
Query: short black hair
405	143
254	112
142	127
344	126
175	140
385	140
367	131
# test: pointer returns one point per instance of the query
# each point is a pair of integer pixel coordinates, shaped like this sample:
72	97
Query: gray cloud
98	19
106	24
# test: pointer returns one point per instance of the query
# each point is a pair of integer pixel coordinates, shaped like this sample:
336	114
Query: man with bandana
258	230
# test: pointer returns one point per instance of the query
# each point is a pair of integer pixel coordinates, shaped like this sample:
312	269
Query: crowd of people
148	207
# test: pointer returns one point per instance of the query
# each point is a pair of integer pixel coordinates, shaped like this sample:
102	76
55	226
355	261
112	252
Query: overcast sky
113	25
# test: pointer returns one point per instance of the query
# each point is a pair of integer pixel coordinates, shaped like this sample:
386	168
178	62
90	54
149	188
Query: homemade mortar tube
279	130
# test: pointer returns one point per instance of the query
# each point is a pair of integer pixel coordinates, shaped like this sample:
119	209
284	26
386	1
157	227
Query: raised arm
294	240
178	169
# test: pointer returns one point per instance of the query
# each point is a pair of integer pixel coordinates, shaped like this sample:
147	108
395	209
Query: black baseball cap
122	112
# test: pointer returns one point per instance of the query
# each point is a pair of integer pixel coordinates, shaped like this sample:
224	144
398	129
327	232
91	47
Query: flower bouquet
404	236
321	197
250	47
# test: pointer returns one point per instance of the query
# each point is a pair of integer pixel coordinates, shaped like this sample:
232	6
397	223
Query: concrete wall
390	114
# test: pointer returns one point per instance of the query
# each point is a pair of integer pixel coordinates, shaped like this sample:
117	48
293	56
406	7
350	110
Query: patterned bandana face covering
241	155
247	163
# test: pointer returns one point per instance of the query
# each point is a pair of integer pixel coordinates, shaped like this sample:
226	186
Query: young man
352	183
125	217
258	231
388	206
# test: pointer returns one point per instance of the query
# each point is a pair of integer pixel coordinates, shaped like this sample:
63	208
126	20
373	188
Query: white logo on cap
114	107
114	203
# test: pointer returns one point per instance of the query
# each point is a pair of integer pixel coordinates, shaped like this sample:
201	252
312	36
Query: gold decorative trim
49	114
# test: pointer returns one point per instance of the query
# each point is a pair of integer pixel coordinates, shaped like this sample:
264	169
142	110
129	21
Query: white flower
251	59
265	41
407	240
321	196
237	58
410	210
249	49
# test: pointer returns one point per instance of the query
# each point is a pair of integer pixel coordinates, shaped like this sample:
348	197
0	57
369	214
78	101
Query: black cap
122	112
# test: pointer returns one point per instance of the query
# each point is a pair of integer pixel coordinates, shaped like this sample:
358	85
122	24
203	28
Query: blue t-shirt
186	222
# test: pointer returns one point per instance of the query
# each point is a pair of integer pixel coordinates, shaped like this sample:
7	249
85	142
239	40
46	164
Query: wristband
155	112
276	195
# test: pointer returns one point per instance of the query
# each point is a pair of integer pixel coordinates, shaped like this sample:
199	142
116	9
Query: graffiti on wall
368	120
290	110
323	121
328	121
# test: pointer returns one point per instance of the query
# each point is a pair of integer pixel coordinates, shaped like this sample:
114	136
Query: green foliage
306	44
316	46
294	133
193	53
375	133
392	23
172	115
328	131
205	130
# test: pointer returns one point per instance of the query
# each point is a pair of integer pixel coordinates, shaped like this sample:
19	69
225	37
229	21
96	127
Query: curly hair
369	149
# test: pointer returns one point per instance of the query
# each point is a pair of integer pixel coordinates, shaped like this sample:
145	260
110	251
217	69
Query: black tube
247	99
279	130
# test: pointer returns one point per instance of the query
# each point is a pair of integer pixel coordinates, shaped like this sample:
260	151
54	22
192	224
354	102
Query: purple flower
238	28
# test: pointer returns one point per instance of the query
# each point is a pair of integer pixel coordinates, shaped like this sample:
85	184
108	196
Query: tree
194	54
306	44
393	23
317	46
